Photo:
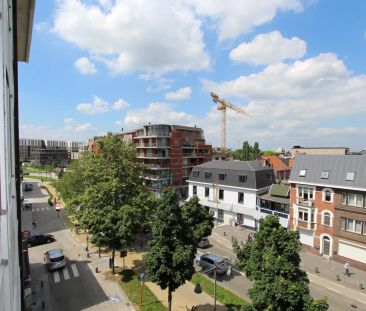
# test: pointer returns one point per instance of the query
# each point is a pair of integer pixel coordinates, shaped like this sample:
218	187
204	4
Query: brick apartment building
169	151
328	205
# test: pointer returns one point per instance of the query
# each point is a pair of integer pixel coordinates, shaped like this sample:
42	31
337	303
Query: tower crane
223	104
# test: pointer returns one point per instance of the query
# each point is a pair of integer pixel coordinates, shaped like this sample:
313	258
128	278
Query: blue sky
297	66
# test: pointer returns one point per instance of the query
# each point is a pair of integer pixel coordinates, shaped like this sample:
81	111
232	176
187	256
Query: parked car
55	259
204	243
28	187
207	261
40	239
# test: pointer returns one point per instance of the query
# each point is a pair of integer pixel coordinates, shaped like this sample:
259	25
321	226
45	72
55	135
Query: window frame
350	176
243	178
208	175
302	172
196	173
222	176
207	192
221	194
325	174
327	191
301	215
194	190
324	217
241	197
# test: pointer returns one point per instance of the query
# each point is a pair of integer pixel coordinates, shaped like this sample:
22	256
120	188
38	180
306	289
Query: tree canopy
272	262
107	193
176	231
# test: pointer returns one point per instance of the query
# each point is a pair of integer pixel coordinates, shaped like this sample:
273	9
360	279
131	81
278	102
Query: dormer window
302	173
350	176
325	175
222	176
196	173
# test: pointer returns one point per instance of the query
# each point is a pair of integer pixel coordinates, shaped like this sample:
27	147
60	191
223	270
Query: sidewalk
183	297
328	269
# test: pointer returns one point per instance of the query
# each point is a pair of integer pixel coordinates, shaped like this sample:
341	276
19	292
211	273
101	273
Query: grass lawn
131	286
227	298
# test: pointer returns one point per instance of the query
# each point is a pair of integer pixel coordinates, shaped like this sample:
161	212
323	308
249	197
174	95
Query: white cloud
269	48
85	66
157	113
97	106
42	26
100	106
120	104
182	93
233	18
128	37
291	103
72	130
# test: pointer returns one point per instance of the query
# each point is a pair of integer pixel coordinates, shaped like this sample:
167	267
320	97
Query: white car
55	259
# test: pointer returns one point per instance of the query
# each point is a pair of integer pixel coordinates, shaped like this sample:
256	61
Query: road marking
56	276
47	208
42	208
242	273
361	301
75	270
332	289
66	273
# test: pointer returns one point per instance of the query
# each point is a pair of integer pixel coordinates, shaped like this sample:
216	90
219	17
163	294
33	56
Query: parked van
55	259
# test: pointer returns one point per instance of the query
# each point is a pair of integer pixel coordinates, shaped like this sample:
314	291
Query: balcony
305	202
153	145
189	154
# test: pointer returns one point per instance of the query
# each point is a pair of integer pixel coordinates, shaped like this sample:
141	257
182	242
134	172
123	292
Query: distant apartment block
169	152
328	205
318	150
231	190
53	152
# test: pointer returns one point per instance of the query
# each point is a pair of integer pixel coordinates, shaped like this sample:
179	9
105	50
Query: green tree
198	218
269	153
246	151
255	152
272	262
172	249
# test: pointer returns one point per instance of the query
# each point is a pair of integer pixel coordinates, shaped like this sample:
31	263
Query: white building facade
230	189
11	263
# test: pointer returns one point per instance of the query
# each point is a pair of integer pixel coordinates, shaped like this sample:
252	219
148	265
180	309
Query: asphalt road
76	287
338	298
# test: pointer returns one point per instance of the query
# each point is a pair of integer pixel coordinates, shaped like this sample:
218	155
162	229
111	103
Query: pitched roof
338	167
257	176
276	163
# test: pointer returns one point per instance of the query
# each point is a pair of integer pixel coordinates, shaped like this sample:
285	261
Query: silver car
55	259
209	261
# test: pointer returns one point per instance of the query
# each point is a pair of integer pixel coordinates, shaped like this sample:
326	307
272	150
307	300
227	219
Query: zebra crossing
42	209
64	275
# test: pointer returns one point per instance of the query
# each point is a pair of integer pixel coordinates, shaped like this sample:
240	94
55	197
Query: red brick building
170	152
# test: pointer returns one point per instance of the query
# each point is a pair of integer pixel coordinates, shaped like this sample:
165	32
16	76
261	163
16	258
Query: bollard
361	286
87	255
224	233
96	270
338	278
316	270
43	305
41	284
110	263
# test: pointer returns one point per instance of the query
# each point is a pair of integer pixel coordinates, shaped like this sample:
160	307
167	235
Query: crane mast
223	104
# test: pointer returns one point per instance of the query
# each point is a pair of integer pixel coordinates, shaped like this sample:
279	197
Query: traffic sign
25	234
58	207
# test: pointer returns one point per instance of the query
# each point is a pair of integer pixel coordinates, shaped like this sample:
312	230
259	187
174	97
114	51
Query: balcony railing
304	202
270	212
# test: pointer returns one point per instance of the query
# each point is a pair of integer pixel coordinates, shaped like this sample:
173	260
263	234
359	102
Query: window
343	223
303	215
328	195
306	193
302	173
207	192
243	178
354	199
350	224
220	214
240	197
222	176
325	175
355	226
269	176
221	194
208	175
194	190
327	218
358	226
196	173
344	198
350	176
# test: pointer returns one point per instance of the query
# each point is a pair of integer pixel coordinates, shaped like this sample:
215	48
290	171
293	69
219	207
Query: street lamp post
198	288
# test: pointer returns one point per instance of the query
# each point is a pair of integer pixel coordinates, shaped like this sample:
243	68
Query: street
77	286
340	298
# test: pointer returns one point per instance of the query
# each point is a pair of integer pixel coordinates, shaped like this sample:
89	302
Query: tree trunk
169	299
113	251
